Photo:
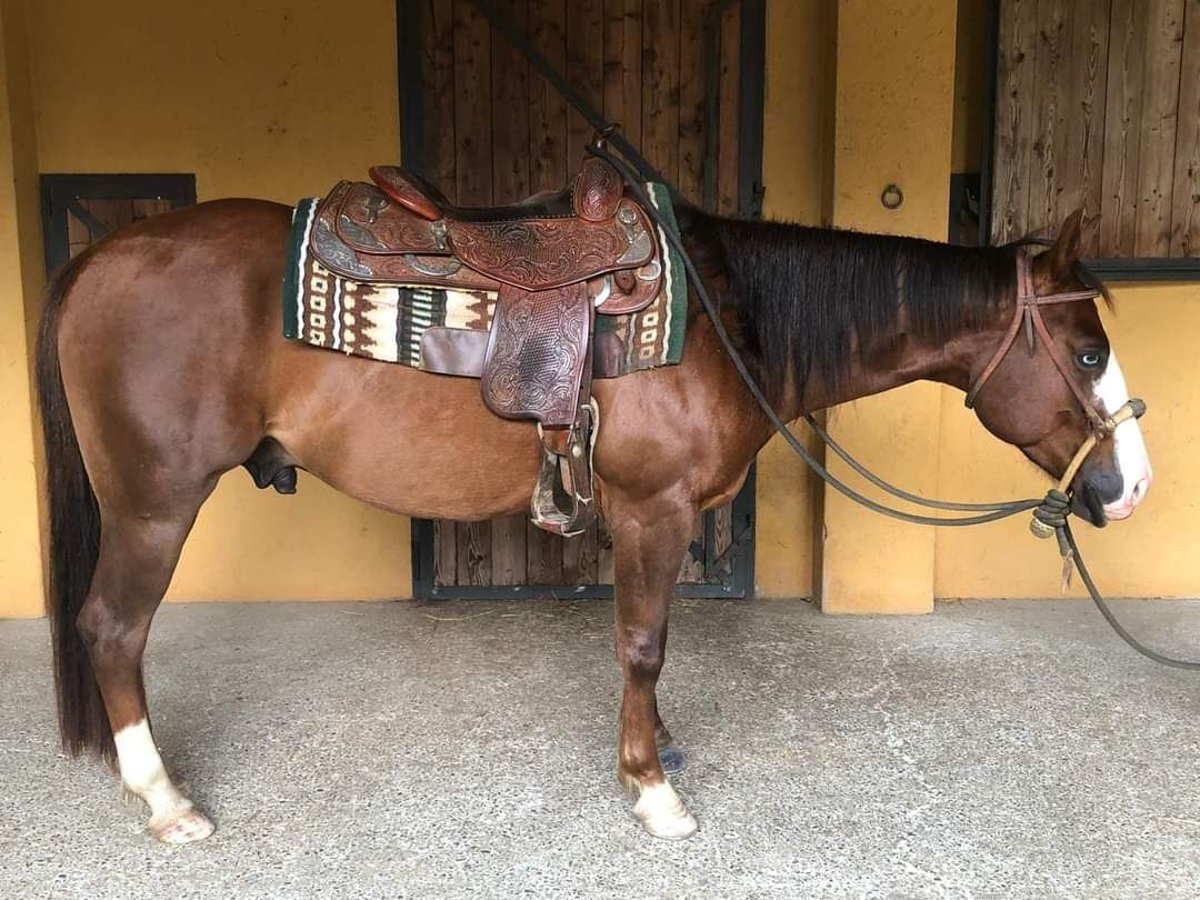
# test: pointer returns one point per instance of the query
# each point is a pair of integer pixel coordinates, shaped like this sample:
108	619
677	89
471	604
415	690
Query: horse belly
408	441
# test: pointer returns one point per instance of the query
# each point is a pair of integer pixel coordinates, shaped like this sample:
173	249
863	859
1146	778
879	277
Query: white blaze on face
1132	461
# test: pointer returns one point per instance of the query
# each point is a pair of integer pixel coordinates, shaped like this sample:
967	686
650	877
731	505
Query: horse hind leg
137	557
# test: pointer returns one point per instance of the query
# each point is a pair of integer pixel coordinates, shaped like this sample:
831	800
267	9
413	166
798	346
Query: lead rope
1049	514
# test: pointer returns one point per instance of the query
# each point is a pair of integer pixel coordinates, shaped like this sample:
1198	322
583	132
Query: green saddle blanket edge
650	338
302	221
674	285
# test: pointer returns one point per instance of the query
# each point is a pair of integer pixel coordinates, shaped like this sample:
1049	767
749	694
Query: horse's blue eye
1090	359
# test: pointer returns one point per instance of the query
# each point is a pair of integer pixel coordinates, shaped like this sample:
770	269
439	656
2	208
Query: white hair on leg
173	819
662	813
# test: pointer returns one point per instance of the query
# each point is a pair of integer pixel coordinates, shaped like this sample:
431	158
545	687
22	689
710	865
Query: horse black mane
803	294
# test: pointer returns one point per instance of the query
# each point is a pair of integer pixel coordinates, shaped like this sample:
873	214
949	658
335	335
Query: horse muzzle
1108	495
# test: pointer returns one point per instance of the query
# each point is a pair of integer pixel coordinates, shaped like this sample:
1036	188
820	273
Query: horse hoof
671	759
183	827
663	814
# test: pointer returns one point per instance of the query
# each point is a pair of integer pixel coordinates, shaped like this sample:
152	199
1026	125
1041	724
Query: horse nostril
1139	490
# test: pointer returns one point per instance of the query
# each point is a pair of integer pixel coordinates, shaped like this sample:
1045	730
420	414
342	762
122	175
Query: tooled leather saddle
554	261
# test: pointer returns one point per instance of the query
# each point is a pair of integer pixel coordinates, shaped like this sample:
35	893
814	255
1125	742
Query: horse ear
1064	253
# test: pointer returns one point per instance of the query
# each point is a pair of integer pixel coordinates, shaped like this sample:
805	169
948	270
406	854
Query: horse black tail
74	539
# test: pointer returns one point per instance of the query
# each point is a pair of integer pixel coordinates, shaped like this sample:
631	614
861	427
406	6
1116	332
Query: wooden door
487	128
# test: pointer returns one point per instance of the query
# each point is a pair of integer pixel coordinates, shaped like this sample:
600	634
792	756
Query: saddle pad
387	322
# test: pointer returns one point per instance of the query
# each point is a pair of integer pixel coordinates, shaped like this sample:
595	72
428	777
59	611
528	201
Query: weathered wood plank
1123	128
1067	176
1185	197
545	563
473	109
660	85
728	139
445	553
510	110
547	110
1014	128
623	66
509	549
1084	115
1160	114
585	70
437	94
1046	175
693	14
474	553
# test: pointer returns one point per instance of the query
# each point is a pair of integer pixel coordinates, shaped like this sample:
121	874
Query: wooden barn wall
1098	106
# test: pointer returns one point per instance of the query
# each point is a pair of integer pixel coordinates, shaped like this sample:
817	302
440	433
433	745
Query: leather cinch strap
1028	314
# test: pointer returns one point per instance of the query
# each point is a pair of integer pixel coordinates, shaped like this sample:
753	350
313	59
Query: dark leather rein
1050	513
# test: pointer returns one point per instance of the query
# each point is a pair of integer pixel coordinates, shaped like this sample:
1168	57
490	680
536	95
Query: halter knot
1052	514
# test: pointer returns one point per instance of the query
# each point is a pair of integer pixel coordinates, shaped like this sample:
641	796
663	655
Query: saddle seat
417	195
554	260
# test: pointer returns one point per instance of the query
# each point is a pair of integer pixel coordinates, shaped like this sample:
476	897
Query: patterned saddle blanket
443	328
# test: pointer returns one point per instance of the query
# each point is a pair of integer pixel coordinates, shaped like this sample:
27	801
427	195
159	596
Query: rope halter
1050	517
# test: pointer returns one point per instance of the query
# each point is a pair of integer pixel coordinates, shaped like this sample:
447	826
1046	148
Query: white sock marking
143	773
1133	462
662	813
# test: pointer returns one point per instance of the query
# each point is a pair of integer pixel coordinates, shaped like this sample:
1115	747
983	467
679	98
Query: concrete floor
396	750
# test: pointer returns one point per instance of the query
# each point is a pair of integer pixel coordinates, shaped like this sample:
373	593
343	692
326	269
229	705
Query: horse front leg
649	540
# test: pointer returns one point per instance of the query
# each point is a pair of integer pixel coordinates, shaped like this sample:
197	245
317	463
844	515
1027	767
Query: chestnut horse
162	366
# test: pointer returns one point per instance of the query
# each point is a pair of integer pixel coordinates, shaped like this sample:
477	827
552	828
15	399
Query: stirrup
563	502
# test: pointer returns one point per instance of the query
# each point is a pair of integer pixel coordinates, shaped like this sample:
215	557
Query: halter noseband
1028	313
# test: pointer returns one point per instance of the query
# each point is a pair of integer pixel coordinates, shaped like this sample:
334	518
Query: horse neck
847	281
891	360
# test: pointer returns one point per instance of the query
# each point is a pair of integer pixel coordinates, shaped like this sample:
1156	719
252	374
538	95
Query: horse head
1045	377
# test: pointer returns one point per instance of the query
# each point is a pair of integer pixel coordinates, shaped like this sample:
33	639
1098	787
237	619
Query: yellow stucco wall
260	99
20	277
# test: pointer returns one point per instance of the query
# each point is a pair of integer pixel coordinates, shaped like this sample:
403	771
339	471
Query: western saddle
554	260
